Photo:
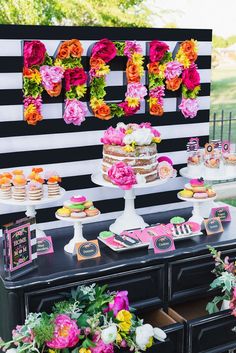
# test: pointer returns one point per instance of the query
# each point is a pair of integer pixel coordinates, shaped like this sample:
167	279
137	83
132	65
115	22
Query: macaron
88	204
200	195
77	215
63	212
186	193
78	199
92	211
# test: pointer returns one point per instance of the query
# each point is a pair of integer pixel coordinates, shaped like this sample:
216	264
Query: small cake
19	188
5	187
134	145
91	211
35	190
186	193
78	199
53	181
63	212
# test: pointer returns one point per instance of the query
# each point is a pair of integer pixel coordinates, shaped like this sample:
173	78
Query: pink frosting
78	198
122	175
197	182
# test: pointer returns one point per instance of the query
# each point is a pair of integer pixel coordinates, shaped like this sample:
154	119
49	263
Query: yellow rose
84	350
124	317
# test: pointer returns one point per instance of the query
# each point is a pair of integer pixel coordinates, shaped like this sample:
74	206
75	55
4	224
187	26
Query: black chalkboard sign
87	250
213	225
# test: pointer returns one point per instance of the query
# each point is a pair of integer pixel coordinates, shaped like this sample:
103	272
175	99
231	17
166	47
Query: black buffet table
174	285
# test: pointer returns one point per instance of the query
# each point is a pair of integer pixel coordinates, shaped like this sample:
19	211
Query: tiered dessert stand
129	219
31	206
78	231
206	205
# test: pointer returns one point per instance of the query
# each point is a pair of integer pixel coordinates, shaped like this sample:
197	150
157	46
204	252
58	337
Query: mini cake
19	188
53	181
35	190
5	186
133	144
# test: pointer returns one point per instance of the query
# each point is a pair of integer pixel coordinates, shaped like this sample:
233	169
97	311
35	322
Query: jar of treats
212	164
229	160
194	159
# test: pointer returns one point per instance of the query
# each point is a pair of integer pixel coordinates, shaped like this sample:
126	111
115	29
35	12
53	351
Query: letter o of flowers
102	53
163	70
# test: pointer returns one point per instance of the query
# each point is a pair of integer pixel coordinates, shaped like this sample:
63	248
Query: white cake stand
129	218
196	213
32	205
78	231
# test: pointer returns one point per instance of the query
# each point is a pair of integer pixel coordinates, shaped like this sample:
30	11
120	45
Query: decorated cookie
105	234
88	204
197	182
92	211
63	212
200	195
186	193
78	199
77	215
177	220
76	207
211	192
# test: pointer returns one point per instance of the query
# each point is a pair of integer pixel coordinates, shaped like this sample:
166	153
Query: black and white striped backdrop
75	152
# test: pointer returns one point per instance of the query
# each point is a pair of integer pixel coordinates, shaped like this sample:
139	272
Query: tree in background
125	13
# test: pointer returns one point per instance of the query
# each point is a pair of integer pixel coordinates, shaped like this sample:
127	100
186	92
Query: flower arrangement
92	320
102	53
163	70
225	281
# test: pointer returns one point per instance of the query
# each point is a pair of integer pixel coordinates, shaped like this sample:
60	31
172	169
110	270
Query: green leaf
88	343
82	320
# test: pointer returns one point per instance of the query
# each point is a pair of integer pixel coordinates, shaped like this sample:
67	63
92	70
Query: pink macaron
78	199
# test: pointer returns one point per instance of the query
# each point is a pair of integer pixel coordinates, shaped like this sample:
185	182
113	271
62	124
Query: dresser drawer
205	333
145	287
191	277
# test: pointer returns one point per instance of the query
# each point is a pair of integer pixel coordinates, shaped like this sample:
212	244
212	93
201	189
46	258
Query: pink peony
120	302
131	48
75	77
147	125
165	159
122	175
191	77
113	136
189	107
157	50
136	90
104	49
129	110
173	69
51	75
101	347
75	112
158	92
66	333
37	102
34	53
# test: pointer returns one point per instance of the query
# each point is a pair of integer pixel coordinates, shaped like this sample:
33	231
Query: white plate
133	247
76	220
192	199
182	237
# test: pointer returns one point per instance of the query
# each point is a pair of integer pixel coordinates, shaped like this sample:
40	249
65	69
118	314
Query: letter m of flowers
40	73
163	71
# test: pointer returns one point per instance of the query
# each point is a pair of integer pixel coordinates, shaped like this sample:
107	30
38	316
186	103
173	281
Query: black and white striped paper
76	152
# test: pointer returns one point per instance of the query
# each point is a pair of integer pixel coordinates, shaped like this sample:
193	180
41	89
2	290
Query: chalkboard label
222	212
44	246
213	225
163	243
87	250
19	247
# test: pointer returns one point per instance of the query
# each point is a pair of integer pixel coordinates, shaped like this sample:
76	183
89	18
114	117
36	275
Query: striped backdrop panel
75	152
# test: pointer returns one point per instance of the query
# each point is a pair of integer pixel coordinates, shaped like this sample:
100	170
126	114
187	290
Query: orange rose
173	84
132	73
153	68
29	73
96	63
156	109
192	56
54	179
188	46
63	51
56	91
32	117
103	112
76	49
37	170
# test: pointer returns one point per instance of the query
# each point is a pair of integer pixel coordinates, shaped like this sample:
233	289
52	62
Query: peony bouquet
225	282
92	320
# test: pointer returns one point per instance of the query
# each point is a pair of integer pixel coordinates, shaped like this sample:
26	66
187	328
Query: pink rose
165	170
75	77
66	333
136	90
122	175
157	50
191	77
101	347
75	112
158	92
189	107
104	49
131	48
51	75
120	302
113	136
34	53
129	110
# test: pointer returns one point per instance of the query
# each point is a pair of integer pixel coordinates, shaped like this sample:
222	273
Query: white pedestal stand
205	208
196	213
78	231
32	205
129	219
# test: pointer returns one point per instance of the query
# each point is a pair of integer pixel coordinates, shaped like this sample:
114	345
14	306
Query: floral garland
164	70
69	58
93	320
102	53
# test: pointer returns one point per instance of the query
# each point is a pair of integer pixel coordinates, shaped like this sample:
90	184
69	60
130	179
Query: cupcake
53	181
